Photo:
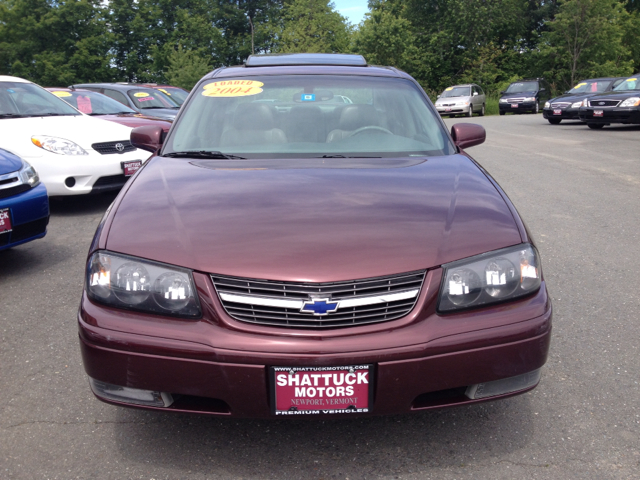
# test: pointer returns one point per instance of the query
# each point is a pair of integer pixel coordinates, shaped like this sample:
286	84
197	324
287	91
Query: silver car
461	100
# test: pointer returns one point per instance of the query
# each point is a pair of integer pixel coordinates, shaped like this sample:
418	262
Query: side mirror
542	89
438	96
467	135
503	92
475	93
147	138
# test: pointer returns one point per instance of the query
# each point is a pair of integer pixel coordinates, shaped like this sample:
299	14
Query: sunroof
274	60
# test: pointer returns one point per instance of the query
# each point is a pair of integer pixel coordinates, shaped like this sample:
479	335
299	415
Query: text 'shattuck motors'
309	239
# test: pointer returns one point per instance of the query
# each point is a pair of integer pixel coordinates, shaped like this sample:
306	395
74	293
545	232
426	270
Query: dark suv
143	99
524	96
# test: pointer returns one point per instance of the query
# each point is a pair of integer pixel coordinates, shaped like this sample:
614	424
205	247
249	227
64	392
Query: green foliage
312	26
186	67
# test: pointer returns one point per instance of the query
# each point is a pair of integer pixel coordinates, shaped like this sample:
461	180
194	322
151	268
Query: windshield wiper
202	154
350	156
48	114
11	115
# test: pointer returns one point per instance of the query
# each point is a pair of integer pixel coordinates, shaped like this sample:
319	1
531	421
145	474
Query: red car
101	106
284	254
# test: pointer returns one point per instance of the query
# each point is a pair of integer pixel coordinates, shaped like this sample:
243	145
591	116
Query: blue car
24	203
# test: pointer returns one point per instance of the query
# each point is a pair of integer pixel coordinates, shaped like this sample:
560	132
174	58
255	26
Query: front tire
501	112
470	112
536	109
554	121
595	126
482	111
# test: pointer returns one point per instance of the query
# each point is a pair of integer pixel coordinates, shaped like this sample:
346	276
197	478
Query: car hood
572	98
163	113
532	93
616	95
466	98
9	163
137	120
16	133
315	220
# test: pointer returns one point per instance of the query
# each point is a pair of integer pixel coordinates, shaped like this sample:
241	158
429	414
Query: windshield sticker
579	85
448	89
232	88
84	104
62	94
631	79
164	91
308	97
141	94
145	99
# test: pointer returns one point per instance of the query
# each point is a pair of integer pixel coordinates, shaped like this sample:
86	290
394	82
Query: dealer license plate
557	111
598	113
321	390
447	109
5	221
514	105
131	167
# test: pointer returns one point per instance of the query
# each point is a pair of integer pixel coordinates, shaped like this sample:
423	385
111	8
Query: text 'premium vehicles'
285	254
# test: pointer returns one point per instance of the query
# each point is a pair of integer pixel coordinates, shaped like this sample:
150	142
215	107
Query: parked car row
55	142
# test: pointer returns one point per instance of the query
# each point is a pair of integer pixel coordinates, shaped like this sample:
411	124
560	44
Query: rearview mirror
147	138
467	135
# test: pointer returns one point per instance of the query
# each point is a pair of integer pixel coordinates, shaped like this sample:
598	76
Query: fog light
70	182
135	396
504	385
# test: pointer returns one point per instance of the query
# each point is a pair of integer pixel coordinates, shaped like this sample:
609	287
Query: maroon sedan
285	254
101	106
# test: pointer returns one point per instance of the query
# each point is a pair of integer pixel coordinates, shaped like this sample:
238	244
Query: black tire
537	108
595	126
470	112
554	121
501	112
482	111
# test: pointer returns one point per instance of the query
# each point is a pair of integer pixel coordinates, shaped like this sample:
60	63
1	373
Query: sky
354	10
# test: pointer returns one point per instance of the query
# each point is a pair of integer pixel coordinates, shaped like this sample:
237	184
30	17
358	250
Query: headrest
354	117
253	116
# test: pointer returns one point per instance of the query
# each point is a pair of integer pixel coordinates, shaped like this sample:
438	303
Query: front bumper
457	110
520	107
89	173
630	115
217	365
565	113
29	212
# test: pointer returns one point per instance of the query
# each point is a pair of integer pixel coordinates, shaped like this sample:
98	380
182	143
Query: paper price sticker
62	94
141	94
232	88
631	79
579	85
164	91
448	89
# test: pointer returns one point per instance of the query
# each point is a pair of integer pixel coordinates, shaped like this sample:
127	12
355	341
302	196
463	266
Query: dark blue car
24	204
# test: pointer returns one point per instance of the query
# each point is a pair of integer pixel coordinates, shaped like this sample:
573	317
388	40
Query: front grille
8	192
395	297
560	105
603	103
515	100
108	148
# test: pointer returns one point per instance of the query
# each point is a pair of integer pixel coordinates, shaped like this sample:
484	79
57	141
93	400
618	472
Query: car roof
114	85
7	78
464	85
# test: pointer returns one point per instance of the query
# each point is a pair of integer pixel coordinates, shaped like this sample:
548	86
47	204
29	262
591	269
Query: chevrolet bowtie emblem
319	306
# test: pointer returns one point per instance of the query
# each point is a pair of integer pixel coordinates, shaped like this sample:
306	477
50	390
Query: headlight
585	103
529	99
547	105
490	278
577	104
503	100
58	145
133	283
631	102
28	174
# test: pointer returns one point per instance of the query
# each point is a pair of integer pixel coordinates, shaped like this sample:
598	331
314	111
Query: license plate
5	221
557	112
321	390
598	113
514	105
131	167
447	109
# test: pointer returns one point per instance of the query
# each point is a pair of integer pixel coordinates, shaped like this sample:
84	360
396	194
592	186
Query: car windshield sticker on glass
232	88
61	94
141	94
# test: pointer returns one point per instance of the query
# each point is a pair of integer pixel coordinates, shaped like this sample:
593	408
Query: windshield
521	87
92	103
296	116
177	94
149	98
456	92
591	86
629	84
29	100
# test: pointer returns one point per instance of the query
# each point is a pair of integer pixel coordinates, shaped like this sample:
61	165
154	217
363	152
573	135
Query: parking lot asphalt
579	193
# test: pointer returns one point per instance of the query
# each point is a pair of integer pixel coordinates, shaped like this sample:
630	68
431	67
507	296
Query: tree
586	40
186	68
313	26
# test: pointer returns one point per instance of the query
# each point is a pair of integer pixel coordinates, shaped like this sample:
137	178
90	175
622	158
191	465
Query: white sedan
72	152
